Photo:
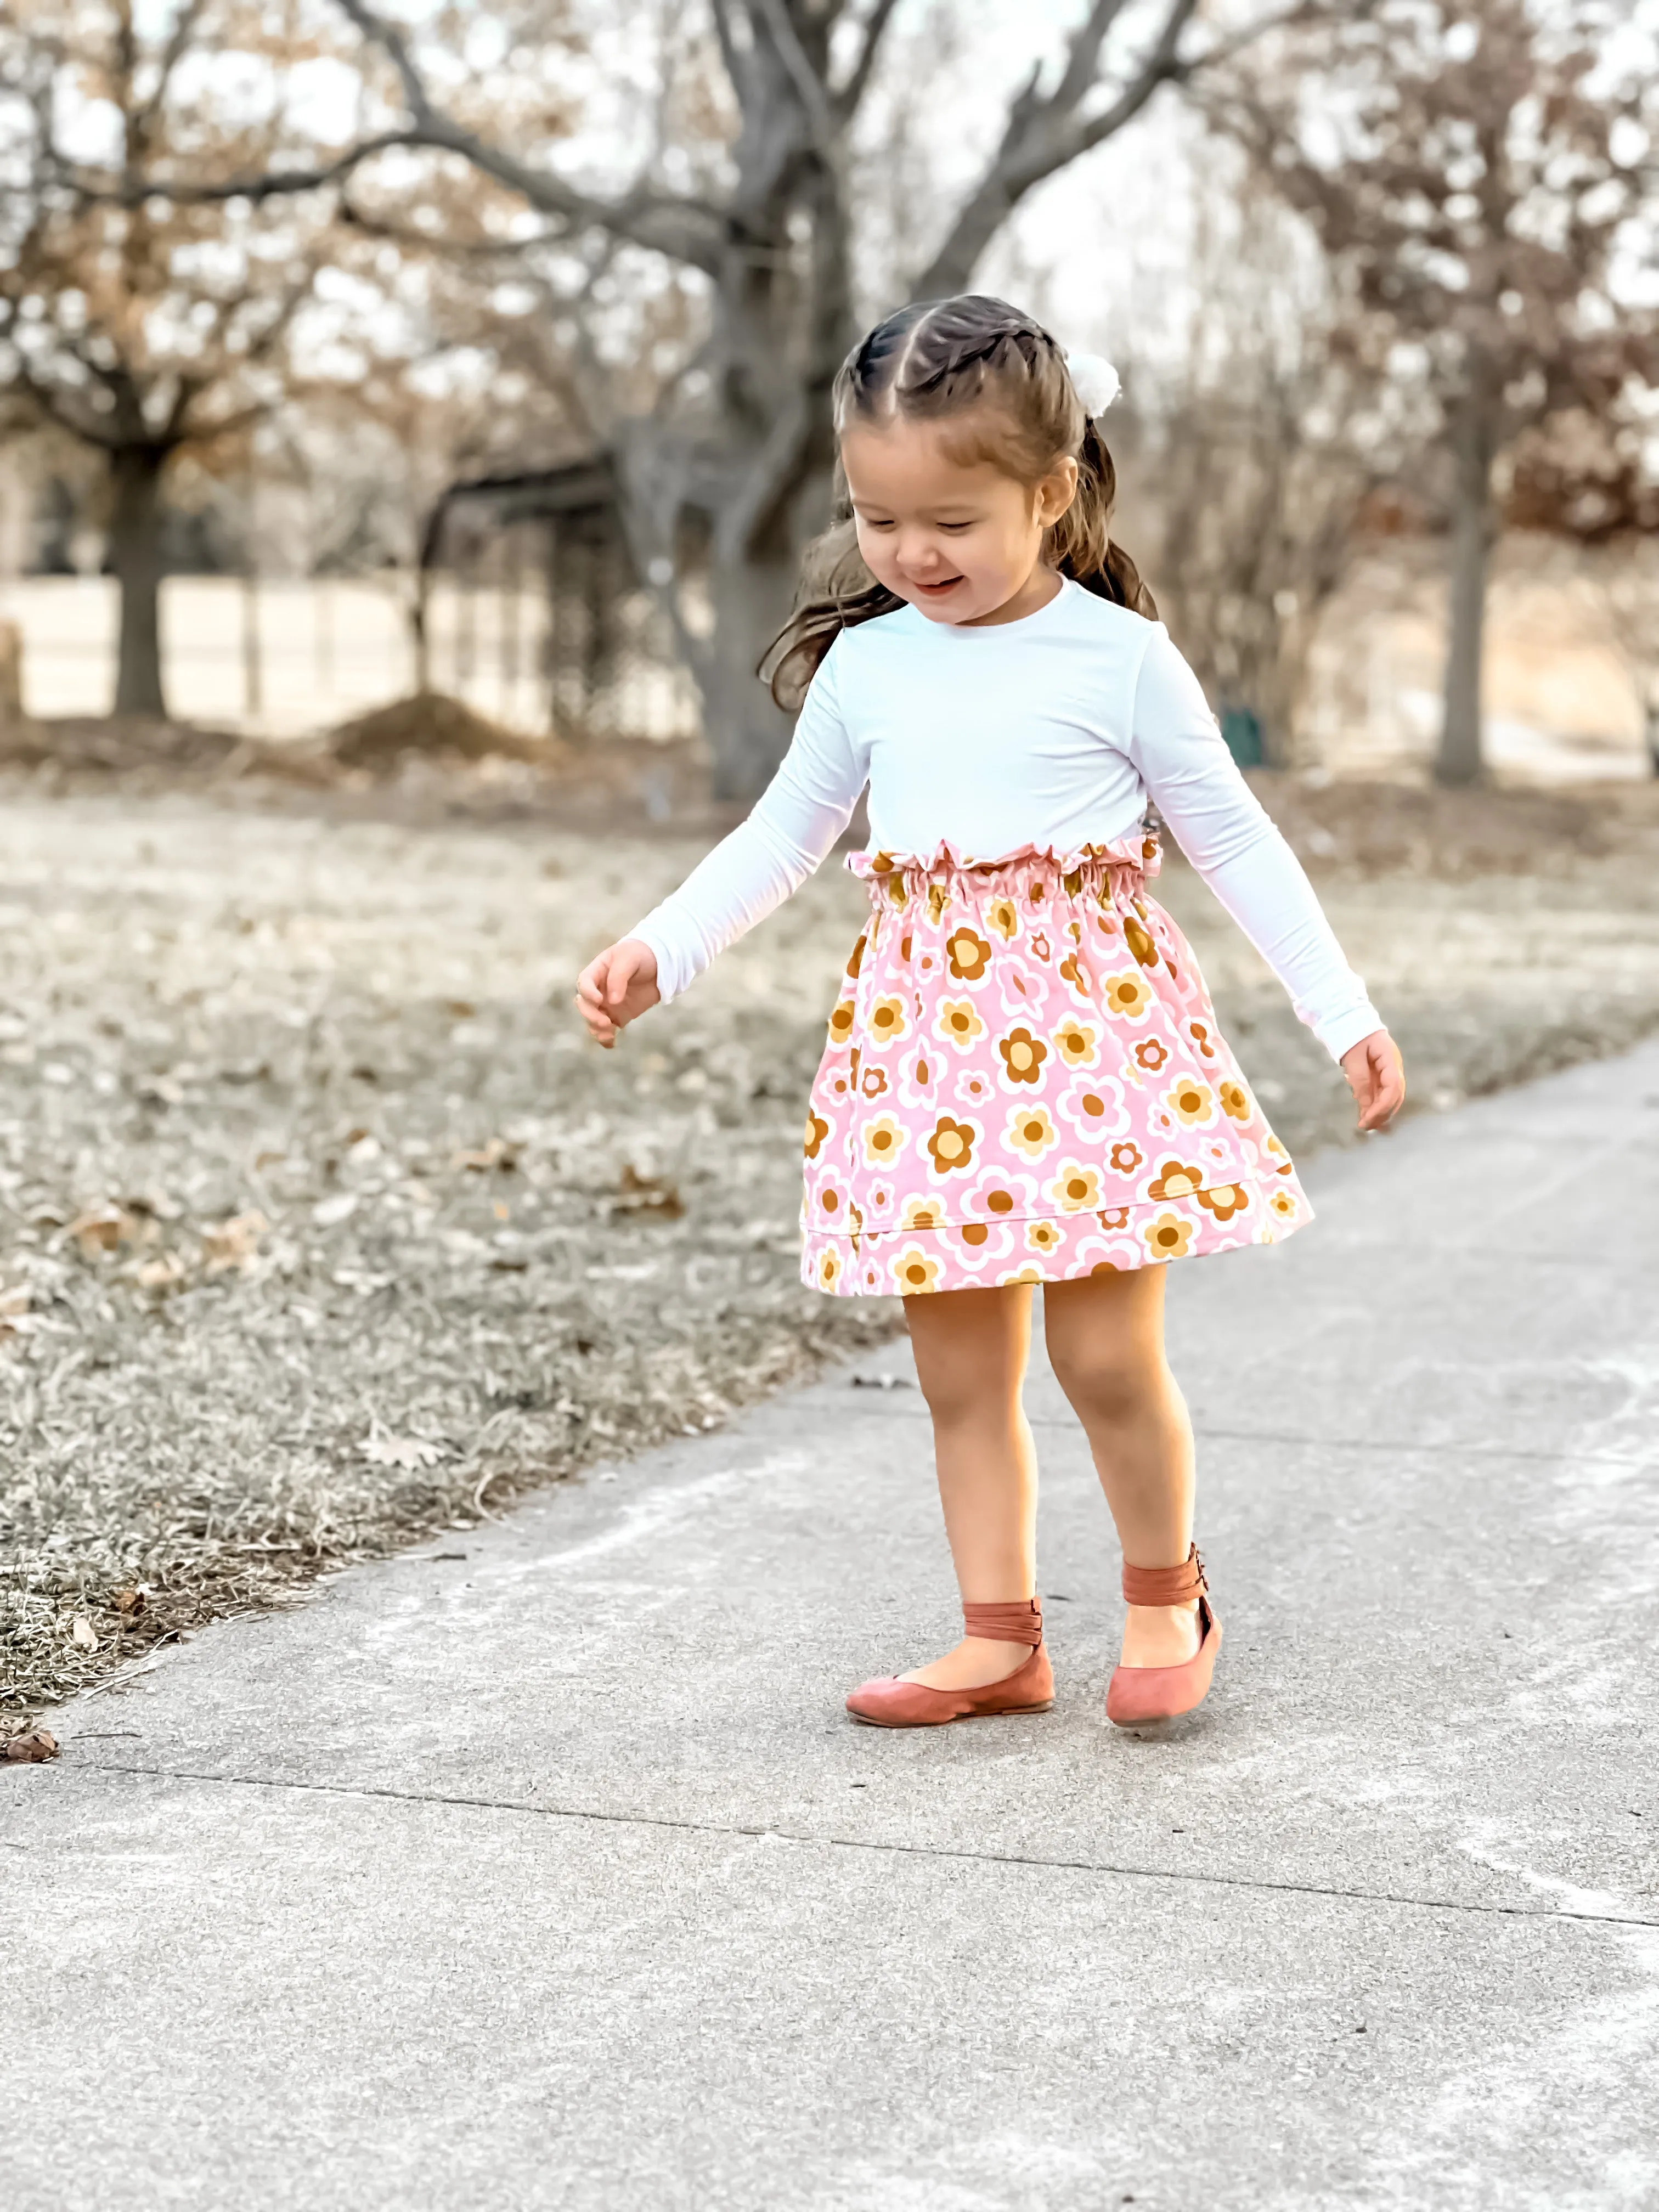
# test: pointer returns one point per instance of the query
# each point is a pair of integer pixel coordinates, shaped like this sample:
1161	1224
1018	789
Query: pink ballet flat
1138	1695
889	1703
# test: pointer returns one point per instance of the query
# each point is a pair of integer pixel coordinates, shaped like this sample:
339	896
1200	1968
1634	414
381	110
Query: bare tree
729	470
143	328
1478	169
1264	435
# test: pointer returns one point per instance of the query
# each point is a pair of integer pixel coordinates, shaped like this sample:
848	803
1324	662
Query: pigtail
1081	544
836	592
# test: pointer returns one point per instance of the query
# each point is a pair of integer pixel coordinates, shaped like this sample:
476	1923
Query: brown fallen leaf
128	1601
34	1747
497	1153
233	1243
101	1228
644	1194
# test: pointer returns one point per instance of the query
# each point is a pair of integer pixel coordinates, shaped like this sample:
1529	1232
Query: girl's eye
950	528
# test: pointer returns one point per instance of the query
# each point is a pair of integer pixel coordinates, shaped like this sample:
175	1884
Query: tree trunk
135	553
746	734
1473	443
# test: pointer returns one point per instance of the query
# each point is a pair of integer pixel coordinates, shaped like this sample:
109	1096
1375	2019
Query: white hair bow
1094	380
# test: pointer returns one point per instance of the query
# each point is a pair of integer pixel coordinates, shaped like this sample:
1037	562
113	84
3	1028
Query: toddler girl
1024	1082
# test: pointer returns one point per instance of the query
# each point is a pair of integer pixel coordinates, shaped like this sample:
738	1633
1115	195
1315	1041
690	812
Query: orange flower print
1076	1188
1283	1203
1113	1217
1235	1101
1020	1275
1176	1179
1003	915
1075	973
1126	1158
923	1213
1000	1202
1168	1237
952	1145
896	890
885	1138
1075	1042
1044	1235
1023	1055
828	1270
874	1083
913	1273
1151	1055
958	1023
937	895
1278	1151
974	1233
841	1022
1073	880
1141	942
1040	946
1127	995
1030	1131
817	1130
887	1021
1201	1037
968	955
1224	1199
855	958
1193	1103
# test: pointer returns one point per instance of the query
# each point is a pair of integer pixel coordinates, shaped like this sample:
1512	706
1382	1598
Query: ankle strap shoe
889	1703
1138	1695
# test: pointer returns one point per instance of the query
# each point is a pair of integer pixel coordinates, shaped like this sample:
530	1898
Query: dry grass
321	1228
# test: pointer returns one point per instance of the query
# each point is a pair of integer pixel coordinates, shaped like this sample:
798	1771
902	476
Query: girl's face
959	540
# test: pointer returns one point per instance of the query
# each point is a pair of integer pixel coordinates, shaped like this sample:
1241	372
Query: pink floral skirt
1024	1083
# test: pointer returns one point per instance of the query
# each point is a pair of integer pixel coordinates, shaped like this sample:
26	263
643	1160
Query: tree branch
850	97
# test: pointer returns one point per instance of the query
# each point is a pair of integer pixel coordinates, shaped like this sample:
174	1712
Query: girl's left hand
1376	1076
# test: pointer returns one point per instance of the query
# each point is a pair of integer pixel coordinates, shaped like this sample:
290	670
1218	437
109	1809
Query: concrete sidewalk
390	1902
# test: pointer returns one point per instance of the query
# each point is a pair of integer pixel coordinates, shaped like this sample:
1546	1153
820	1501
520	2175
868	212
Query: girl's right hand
612	989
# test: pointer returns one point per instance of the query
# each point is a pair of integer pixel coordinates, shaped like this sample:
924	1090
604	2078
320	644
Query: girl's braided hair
928	362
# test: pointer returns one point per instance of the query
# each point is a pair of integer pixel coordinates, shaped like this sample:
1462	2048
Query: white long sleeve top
1052	730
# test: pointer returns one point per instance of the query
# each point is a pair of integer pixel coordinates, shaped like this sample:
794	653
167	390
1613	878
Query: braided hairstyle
970	356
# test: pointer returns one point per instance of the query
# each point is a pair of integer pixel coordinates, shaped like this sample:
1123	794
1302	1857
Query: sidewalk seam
955	1853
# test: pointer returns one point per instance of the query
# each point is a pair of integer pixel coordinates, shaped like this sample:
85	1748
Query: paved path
552	1875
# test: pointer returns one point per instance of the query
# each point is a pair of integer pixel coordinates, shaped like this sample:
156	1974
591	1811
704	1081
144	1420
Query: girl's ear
1057	490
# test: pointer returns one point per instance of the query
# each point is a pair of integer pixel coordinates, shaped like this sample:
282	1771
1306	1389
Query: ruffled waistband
1137	853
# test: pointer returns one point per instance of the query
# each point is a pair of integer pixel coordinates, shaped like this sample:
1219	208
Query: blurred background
410	423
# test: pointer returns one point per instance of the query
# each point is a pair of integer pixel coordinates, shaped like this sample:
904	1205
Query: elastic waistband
1136	855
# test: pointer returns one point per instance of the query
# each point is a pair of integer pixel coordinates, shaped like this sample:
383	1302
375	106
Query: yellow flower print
817	1130
1003	915
1141	942
1075	1042
1043	1235
1075	974
840	1022
1127	995
958	1023
1168	1237
952	1145
1030	1131
828	1270
1076	1188
885	1138
1283	1203
913	1273
887	1021
1235	1101
937	896
1021	1275
1193	1103
1023	1055
923	1213
1276	1150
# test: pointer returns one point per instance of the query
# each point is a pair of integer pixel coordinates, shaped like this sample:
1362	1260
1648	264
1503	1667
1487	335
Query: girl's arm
807	805
1227	834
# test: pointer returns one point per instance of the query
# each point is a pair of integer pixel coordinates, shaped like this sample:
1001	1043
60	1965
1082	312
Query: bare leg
1105	1337
970	1349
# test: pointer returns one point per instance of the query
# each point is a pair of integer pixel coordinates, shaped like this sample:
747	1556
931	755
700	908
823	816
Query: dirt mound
431	723
117	744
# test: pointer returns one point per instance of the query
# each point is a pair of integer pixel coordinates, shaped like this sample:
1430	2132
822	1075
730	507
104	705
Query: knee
1106	1385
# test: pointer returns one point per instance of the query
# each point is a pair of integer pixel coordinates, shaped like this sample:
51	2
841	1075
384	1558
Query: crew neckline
1067	585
